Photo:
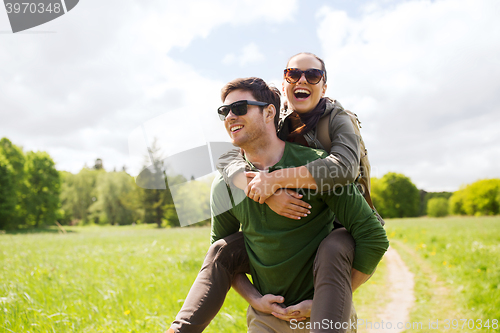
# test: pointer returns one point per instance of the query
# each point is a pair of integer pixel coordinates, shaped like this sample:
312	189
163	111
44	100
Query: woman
304	88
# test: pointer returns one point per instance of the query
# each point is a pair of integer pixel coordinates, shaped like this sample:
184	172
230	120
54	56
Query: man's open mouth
236	128
301	94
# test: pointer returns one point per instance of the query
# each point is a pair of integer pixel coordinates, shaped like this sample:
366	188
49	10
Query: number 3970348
32	7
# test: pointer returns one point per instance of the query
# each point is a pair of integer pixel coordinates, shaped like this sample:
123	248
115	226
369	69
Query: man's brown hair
259	89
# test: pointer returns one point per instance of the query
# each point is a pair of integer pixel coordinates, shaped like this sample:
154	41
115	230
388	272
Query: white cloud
79	92
249	54
229	59
424	78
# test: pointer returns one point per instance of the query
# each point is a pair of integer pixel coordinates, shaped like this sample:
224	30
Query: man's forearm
267	304
358	278
245	288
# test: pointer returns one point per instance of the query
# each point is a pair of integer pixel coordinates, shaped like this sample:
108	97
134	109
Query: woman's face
303	96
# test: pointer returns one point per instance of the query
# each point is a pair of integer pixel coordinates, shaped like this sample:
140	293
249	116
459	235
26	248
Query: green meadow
456	263
135	278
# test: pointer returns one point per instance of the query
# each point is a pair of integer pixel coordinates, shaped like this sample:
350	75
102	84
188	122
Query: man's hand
269	304
298	312
287	203
261	186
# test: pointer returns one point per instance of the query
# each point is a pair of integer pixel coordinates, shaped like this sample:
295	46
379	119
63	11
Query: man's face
303	96
244	130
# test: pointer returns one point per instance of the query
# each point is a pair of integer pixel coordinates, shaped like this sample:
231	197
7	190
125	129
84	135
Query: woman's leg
332	282
224	259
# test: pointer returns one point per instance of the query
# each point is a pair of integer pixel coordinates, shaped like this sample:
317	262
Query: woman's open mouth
301	94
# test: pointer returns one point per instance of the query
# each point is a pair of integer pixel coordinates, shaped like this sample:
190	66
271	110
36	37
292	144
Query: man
283	255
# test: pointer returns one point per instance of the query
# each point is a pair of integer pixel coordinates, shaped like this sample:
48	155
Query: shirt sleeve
359	219
231	163
224	223
341	167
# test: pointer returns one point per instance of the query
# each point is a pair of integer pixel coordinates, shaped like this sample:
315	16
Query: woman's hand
287	203
298	312
261	186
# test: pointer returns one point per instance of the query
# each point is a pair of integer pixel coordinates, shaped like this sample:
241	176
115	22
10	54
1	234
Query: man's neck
265	152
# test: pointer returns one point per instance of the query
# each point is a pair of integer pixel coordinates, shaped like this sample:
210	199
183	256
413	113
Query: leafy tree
14	157
117	199
498	197
43	188
457	201
7	193
437	207
376	191
482	197
67	193
78	192
394	195
157	202
478	198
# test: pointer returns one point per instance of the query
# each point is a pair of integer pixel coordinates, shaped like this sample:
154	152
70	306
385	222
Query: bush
437	207
426	196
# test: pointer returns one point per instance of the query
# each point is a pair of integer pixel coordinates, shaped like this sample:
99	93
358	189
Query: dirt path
400	284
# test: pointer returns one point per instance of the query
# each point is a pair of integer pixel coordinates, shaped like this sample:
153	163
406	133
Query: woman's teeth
301	93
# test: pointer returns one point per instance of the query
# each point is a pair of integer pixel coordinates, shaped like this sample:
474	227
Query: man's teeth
235	128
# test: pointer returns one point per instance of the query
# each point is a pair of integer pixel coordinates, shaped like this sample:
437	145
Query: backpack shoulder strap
323	127
323	132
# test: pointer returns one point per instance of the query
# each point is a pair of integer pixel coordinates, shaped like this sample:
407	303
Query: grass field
456	262
134	279
111	279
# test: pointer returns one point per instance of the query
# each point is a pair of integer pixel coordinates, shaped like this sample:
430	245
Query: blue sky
423	76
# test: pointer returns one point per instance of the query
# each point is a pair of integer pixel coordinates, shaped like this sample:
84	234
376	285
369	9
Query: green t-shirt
282	250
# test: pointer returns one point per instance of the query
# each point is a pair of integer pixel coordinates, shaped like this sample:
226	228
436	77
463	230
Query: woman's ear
323	91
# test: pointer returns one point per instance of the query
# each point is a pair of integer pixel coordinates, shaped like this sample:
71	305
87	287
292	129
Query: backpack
323	136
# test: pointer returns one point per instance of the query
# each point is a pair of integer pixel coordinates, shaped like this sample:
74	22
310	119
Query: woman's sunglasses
238	108
313	75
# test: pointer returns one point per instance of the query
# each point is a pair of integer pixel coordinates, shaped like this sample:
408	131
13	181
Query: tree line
34	194
395	196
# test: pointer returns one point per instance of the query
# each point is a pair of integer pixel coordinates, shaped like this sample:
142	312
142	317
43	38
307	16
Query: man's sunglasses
238	108
313	75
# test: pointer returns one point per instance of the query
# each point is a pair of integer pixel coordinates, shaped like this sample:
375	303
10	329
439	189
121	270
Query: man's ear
270	112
